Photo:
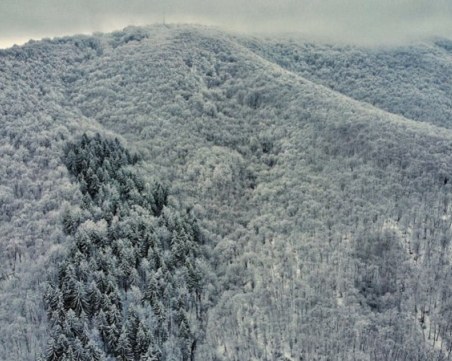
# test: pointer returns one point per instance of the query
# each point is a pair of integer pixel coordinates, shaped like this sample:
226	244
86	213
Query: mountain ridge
293	183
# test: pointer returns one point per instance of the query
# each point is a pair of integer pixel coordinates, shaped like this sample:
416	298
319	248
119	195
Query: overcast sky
356	21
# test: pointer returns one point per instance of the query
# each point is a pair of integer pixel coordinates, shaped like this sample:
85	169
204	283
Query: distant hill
412	81
319	177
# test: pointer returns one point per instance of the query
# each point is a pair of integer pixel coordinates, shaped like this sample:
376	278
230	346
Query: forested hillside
413	80
180	193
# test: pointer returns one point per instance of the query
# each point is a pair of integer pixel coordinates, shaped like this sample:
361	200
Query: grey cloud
357	21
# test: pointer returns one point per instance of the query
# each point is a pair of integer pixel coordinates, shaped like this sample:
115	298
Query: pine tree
152	290
152	354
123	350
69	355
53	351
75	296
143	340
160	195
102	325
94	297
112	336
94	353
79	350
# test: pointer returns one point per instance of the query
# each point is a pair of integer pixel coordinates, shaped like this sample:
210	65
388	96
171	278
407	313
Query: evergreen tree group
130	288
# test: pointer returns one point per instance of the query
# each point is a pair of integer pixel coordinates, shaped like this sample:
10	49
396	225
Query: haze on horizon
351	21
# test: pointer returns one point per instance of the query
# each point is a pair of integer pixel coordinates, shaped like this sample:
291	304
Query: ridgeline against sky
352	21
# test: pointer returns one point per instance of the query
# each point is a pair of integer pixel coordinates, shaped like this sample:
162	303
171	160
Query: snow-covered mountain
319	176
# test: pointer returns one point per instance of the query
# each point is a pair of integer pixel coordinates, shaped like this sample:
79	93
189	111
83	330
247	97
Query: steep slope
412	81
329	218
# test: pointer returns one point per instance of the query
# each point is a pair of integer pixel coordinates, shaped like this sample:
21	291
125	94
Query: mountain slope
328	218
412	81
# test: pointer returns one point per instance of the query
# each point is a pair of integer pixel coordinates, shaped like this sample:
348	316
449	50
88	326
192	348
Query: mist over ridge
352	21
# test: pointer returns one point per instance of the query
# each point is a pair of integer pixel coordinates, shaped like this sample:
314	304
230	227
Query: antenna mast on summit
164	15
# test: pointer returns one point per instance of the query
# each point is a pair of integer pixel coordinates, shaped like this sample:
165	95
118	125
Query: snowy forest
183	193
